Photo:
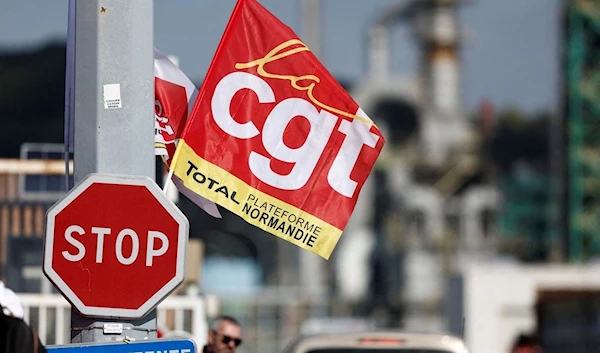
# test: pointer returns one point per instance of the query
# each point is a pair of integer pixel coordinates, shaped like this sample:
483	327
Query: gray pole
313	275
311	25
114	110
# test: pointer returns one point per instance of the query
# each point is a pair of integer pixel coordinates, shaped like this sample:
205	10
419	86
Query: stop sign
115	246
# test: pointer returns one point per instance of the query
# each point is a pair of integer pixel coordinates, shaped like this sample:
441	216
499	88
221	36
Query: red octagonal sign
115	246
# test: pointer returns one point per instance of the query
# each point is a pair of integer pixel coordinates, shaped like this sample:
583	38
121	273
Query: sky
510	55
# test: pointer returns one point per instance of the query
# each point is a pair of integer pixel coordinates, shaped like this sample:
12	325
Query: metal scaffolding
583	129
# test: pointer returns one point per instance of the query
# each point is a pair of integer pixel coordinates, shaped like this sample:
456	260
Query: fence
270	317
177	316
20	218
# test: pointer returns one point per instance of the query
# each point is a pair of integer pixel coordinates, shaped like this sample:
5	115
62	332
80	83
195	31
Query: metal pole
312	274
576	56
114	125
311	25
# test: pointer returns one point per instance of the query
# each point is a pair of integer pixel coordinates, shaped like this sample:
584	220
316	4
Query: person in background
15	335
224	335
11	306
526	344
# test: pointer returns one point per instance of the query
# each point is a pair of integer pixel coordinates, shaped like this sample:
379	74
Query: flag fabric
174	95
274	138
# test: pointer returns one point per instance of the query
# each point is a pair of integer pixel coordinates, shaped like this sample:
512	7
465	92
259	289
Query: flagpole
167	180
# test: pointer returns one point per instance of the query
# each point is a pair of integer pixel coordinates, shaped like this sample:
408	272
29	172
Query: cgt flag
274	138
174	96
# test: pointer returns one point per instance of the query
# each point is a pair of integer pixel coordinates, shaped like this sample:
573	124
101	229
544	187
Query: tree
520	139
32	85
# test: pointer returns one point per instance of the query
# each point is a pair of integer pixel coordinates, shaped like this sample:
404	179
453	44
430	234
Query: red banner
274	138
173	94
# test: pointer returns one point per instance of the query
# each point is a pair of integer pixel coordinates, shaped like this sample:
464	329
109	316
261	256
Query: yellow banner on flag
255	207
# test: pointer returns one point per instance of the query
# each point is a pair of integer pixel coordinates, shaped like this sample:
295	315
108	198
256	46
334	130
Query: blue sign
155	346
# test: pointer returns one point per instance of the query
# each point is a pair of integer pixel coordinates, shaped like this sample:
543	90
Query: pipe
379	52
475	201
33	166
430	202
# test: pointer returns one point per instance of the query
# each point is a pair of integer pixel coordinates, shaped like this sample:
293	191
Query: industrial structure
580	190
420	216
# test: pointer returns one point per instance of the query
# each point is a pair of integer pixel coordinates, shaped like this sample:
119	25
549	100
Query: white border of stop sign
182	239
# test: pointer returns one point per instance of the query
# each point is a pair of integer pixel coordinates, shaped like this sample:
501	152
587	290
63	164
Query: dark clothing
17	337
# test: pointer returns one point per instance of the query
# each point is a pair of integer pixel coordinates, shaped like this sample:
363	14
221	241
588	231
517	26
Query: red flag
174	92
274	138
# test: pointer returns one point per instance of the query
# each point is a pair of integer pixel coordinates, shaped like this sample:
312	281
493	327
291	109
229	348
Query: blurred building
426	207
577	193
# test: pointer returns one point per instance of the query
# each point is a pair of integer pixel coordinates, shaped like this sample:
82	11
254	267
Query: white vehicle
376	342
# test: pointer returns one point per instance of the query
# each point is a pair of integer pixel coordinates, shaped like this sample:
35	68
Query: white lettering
357	134
100	232
135	247
305	157
183	350
151	252
69	237
221	102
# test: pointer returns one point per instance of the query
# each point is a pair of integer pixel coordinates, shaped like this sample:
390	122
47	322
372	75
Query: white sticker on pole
112	96
114	328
